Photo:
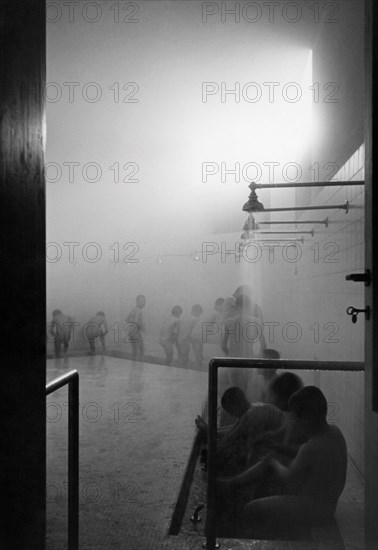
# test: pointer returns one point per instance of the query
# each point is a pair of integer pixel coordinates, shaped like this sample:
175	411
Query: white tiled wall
320	293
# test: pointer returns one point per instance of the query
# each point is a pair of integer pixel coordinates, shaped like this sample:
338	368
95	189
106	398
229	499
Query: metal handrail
72	379
229	362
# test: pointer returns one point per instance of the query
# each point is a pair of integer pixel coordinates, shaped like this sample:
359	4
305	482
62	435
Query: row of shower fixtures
252	229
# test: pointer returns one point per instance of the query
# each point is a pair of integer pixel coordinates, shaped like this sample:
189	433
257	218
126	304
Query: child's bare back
312	483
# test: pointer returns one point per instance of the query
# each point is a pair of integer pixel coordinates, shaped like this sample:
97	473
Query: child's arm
288	450
275	440
249	424
203	427
70	324
52	329
141	325
224	339
230	436
275	436
175	331
263	345
201	424
224	429
297	470
254	474
192	325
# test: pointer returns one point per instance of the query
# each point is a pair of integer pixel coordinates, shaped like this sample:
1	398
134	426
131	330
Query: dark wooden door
22	287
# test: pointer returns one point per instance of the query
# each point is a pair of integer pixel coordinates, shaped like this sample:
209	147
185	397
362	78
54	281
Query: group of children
182	334
235	328
61	329
227	329
280	466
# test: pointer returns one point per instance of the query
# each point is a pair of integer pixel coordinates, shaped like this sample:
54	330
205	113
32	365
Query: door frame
371	262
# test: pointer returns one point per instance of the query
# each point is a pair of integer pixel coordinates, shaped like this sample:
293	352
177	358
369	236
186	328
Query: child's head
308	407
234	401
100	314
242	290
197	310
269	353
176	311
243	303
140	301
56	312
282	387
218	304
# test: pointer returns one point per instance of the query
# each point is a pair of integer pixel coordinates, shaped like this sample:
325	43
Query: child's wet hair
284	386
310	404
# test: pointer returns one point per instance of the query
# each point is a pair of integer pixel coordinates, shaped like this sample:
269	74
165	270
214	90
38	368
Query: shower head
253	204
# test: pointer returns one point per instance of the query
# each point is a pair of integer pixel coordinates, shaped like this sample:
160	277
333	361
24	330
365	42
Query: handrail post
212	449
73	463
72	379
